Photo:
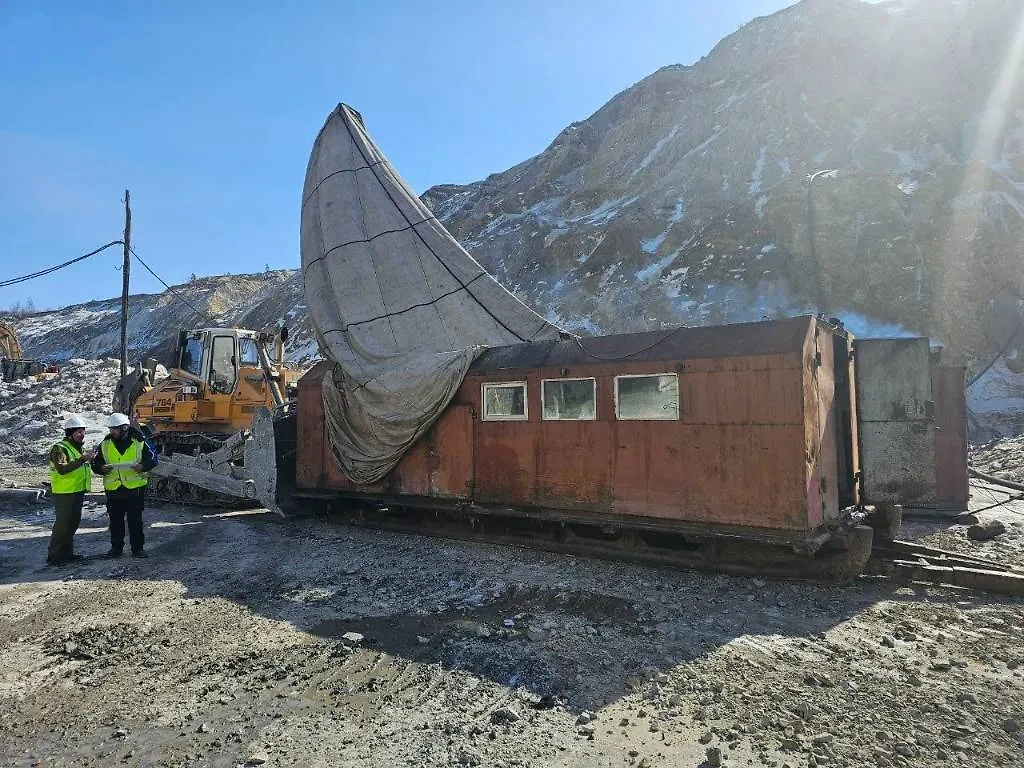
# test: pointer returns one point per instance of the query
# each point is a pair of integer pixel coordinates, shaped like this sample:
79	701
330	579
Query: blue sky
206	112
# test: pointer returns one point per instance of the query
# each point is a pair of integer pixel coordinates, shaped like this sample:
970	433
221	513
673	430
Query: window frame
213	363
198	340
242	340
593	384
675	377
483	400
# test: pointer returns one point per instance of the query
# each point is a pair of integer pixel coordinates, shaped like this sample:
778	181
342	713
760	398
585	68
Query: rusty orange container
745	429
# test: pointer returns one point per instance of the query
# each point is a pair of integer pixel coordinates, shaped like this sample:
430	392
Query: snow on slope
32	412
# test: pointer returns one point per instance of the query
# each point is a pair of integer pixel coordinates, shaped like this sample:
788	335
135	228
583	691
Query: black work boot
140	553
112	554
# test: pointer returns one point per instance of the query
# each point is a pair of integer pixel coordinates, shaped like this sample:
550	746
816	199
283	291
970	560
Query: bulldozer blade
204	478
261	459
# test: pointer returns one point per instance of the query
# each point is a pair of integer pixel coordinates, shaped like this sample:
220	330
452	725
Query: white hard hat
74	422
118	420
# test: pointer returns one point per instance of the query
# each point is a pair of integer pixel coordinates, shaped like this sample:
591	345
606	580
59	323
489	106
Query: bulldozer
214	410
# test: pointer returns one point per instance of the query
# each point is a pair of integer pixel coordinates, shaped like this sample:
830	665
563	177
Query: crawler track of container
848	556
839	561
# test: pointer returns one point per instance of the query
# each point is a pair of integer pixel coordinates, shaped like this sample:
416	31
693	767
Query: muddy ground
248	640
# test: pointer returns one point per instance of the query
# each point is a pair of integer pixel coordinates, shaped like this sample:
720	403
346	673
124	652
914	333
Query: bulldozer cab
219	357
232	362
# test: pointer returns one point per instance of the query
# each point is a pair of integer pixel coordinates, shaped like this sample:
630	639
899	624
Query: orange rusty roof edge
734	340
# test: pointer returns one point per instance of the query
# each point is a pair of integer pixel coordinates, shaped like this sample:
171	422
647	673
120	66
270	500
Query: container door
896	421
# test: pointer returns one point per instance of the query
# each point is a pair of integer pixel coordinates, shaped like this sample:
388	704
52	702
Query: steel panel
820	429
896	420
893	380
898	462
749	475
310	448
505	461
953	487
411	476
450	454
574	468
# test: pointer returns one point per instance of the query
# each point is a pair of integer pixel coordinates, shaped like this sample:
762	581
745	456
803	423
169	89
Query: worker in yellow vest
69	480
124	458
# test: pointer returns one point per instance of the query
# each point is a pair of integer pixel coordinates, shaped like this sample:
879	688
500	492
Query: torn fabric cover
399	307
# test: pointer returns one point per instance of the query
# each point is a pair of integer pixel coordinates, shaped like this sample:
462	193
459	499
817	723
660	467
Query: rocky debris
504	715
987	530
34	411
102	646
257	757
536	634
665	664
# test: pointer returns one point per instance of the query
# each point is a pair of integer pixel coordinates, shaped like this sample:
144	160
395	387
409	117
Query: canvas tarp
399	307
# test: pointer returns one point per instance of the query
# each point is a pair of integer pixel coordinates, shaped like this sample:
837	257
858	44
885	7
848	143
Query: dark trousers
127	506
68	509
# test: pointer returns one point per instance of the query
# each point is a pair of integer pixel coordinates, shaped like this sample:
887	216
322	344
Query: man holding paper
123	459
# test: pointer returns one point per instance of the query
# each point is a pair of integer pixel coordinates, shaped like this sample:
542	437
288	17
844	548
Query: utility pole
125	271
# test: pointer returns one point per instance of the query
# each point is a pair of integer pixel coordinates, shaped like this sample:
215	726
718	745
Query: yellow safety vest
122	476
75	481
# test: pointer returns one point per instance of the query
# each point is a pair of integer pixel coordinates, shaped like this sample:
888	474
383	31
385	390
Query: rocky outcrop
864	160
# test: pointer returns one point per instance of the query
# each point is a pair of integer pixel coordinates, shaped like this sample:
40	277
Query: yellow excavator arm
9	346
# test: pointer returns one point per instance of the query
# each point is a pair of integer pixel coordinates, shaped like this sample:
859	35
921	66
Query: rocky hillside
865	160
93	330
861	159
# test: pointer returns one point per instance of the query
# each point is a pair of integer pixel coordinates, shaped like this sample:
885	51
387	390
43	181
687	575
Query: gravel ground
247	640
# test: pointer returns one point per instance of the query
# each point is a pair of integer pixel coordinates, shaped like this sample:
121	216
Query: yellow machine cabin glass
222	370
248	355
192	356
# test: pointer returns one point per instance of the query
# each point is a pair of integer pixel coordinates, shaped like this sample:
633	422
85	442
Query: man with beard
124	458
69	480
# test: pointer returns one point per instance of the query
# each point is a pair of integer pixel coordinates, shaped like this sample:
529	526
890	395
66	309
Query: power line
181	298
50	270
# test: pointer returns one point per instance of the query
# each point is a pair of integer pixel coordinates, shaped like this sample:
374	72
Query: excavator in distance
13	366
212	411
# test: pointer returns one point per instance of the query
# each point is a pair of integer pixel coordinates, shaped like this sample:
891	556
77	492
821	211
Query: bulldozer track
172	491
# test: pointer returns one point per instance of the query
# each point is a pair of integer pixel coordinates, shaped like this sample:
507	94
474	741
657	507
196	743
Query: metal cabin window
222	370
569	399
505	401
647	398
248	355
192	356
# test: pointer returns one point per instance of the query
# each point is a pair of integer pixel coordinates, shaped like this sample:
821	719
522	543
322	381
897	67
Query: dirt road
246	640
